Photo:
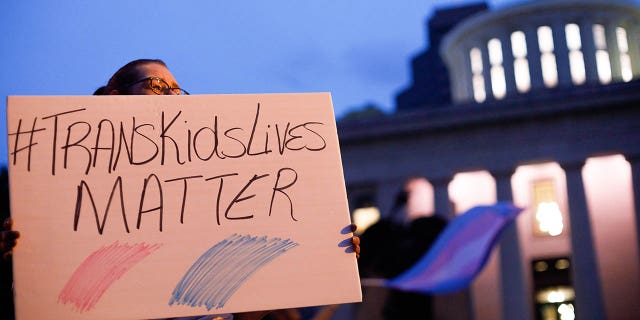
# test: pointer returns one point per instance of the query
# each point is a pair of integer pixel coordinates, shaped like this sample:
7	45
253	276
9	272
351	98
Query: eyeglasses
159	86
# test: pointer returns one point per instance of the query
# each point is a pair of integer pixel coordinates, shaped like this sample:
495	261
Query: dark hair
128	74
99	91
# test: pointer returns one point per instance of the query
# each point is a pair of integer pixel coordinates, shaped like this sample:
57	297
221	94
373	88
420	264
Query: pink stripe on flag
99	271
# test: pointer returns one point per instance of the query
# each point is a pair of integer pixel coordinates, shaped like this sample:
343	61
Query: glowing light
573	36
549	218
549	69
420	199
576	60
566	311
365	217
603	64
625	59
476	60
547	57
518	44
520	62
498	83
521	70
599	38
479	92
545	39
556	296
541	266
495	51
562	264
625	67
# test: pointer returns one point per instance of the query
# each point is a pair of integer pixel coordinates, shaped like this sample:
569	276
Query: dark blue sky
359	50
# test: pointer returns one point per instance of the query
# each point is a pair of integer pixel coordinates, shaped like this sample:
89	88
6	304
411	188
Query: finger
12	235
6	236
353	227
7	255
356	245
7	224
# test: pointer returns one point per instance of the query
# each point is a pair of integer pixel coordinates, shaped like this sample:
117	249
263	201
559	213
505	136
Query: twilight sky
359	50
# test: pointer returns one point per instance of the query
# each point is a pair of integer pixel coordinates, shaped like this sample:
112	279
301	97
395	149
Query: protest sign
135	207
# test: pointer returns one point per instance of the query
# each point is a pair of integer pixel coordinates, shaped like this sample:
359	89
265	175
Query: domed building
538	104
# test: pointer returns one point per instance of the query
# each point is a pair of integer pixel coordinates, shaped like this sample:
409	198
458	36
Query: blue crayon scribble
220	271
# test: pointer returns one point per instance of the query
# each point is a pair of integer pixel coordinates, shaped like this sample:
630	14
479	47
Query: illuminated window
576	60
625	59
498	85
548	217
547	57
520	62
603	64
553	290
365	217
479	93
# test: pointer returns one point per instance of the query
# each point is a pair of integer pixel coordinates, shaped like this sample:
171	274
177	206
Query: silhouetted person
6	271
421	234
390	247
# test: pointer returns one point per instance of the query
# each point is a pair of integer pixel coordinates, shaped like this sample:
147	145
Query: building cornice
538	105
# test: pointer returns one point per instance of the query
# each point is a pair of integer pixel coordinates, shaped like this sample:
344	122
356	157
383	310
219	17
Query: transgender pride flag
459	253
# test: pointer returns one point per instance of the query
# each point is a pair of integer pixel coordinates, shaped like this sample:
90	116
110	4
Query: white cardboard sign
135	207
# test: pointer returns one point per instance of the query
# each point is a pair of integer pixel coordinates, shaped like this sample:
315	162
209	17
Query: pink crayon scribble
99	271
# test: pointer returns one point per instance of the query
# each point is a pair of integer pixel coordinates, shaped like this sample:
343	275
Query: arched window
477	80
547	57
520	62
602	55
498	84
625	59
576	60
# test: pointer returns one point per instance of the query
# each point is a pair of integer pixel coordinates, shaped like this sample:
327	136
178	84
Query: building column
460	301
386	193
533	57
463	85
614	52
588	47
507	63
516	301
486	70
584	266
635	183
441	201
561	51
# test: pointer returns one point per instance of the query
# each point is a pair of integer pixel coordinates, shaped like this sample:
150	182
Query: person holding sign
143	77
8	239
146	77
